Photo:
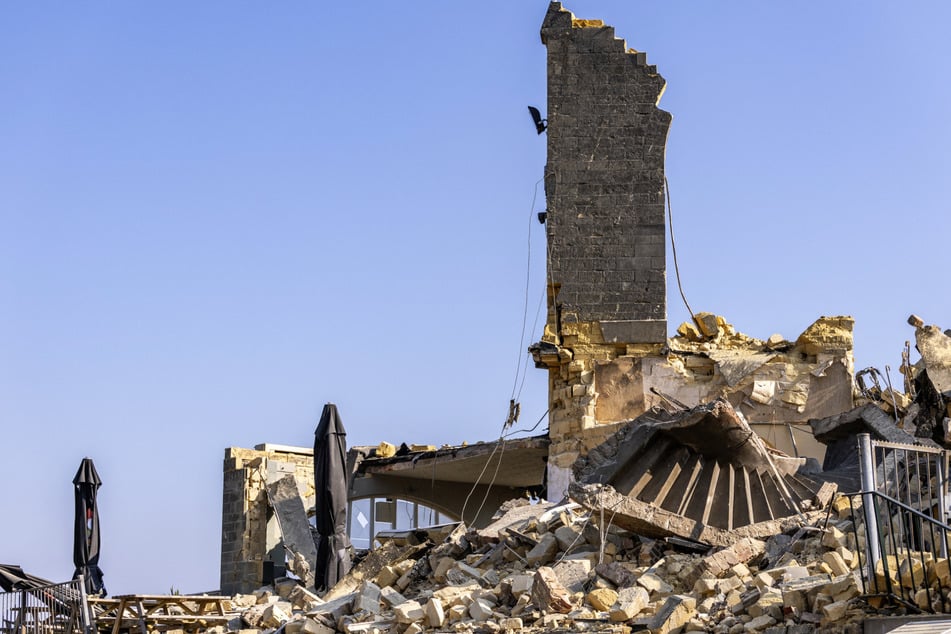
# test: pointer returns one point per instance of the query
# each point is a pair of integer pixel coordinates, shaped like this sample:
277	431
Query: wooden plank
711	491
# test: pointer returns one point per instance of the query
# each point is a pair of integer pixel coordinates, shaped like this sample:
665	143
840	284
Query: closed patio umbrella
86	528
330	485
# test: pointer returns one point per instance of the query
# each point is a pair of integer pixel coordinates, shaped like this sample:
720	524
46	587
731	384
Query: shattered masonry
252	548
269	491
605	342
686	509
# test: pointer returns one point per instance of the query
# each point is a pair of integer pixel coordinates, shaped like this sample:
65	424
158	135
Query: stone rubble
547	568
601	579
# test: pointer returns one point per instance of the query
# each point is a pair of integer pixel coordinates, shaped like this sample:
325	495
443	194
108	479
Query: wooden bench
157	612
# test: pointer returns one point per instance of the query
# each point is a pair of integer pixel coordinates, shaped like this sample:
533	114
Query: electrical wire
673	248
532	428
528	279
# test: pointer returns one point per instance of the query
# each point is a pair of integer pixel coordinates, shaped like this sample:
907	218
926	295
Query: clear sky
217	216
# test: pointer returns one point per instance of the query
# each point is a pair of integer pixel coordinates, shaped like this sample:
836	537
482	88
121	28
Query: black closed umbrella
86	528
330	486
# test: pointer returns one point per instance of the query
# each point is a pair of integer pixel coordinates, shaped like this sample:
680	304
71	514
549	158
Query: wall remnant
265	522
604	185
605	343
252	551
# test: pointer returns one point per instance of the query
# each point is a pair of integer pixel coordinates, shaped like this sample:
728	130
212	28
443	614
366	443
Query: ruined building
701	436
605	343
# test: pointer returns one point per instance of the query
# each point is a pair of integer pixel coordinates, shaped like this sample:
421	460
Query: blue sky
217	216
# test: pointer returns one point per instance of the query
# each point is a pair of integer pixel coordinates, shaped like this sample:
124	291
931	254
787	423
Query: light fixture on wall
540	124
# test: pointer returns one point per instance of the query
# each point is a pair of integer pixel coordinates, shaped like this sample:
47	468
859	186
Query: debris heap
561	568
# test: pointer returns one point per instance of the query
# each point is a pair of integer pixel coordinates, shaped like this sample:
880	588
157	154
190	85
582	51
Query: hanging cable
673	248
532	428
528	279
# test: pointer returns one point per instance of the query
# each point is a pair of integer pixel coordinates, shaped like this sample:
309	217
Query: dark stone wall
604	180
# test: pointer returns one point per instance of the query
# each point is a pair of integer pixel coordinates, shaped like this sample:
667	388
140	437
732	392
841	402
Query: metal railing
900	523
900	551
914	475
54	609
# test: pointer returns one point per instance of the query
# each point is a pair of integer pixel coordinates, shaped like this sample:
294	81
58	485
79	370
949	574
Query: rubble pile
555	568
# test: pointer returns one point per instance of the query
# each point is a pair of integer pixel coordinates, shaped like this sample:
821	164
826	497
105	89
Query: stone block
763	580
511	624
480	610
312	626
759	623
387	576
837	565
617	573
705	586
741	552
939	572
457	613
435	615
911	572
602	599
520	584
572	573
391	596
368	598
628	608
544	551
409	612
654	584
273	616
303	599
835	611
549	594
284	587
728	584
673	614
335	608
441	566
842	508
834	538
770	602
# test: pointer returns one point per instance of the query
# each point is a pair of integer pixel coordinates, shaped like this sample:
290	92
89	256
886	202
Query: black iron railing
54	609
902	552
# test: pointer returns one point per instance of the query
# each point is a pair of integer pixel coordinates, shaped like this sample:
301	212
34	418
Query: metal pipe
867	472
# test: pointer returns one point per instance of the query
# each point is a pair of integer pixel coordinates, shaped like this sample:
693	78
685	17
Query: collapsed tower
604	185
605	343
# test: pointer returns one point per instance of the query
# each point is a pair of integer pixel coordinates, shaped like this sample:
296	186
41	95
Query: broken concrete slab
284	496
647	519
696	472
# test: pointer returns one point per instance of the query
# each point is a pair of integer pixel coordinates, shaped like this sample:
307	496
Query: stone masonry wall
605	180
604	186
249	534
605	343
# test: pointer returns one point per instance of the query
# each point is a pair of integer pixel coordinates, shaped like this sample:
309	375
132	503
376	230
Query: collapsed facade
605	343
702	439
